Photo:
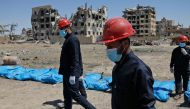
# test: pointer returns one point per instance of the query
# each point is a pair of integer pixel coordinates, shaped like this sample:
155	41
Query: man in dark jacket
71	66
132	85
179	65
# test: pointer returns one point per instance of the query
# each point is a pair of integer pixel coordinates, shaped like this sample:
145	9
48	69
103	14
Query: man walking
132	86
71	66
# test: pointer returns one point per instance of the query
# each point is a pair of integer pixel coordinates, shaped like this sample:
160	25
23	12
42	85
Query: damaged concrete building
43	23
143	20
185	31
27	33
88	23
166	27
3	30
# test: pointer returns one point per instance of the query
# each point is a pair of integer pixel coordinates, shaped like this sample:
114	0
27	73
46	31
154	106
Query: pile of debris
10	60
145	42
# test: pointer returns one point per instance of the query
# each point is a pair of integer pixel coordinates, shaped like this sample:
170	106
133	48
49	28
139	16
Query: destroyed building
185	31
43	20
27	33
143	20
8	29
166	27
88	23
4	30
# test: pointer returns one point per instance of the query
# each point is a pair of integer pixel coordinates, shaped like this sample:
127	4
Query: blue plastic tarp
50	75
93	81
162	89
187	93
97	81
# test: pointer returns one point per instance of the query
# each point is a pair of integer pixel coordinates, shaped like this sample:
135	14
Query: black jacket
132	86
179	61
71	60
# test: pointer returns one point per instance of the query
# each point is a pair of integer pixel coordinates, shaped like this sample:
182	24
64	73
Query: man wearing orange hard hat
132	85
179	65
71	67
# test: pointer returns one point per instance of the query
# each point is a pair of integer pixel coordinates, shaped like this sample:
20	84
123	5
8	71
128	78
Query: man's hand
172	70
183	51
72	80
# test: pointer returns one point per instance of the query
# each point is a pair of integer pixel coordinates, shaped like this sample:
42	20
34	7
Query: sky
19	11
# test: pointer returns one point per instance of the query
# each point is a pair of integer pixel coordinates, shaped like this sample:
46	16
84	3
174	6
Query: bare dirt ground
36	95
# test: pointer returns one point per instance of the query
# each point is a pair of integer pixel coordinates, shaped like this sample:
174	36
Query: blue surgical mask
62	33
113	55
182	45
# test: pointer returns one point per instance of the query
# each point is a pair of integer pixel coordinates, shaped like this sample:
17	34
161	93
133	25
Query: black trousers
72	92
178	81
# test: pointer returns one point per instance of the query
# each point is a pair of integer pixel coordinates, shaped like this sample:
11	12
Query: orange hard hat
63	22
182	38
116	29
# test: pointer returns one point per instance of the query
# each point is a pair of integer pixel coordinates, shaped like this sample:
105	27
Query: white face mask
113	55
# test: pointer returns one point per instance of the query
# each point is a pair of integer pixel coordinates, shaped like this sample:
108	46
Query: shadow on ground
184	104
58	104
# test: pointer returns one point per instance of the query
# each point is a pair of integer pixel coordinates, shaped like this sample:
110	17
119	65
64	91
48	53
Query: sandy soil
36	95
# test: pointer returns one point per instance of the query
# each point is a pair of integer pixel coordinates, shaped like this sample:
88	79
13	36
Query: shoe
177	97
